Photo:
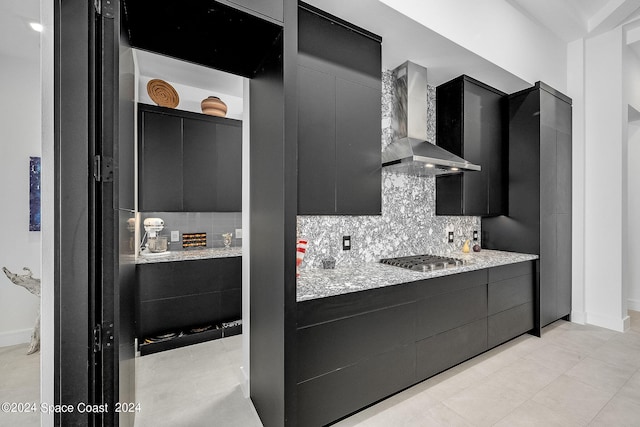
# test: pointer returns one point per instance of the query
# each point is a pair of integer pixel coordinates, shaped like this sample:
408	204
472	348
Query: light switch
346	243
238	233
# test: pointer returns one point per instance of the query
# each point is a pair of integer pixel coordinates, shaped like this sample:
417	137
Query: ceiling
574	19
403	39
188	74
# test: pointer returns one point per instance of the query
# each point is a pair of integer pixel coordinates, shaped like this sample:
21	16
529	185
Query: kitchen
397	188
338	254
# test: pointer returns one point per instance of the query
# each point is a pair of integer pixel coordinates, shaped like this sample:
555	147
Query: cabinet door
228	168
563	192
477	141
548	269
442	351
358	135
160	163
270	8
199	165
316	142
564	265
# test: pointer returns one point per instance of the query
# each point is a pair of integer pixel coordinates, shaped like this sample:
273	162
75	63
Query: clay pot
214	106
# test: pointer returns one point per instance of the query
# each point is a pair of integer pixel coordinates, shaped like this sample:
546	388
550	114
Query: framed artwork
34	193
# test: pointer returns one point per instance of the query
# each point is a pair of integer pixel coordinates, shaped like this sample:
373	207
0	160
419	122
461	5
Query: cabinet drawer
509	324
333	345
509	293
511	270
174	314
182	278
453	282
332	396
443	312
442	351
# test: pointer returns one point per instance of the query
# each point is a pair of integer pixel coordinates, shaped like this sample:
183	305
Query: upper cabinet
469	123
235	36
188	162
339	113
271	9
539	219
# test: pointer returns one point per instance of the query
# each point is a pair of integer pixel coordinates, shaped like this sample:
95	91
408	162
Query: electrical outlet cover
238	233
175	235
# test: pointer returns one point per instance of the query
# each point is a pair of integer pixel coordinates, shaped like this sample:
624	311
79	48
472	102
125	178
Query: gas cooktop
424	262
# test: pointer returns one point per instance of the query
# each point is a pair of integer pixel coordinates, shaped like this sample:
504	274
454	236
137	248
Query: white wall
575	90
631	248
47	343
19	138
496	31
633	268
604	124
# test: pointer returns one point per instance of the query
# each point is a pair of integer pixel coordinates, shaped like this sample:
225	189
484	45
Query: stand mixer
156	244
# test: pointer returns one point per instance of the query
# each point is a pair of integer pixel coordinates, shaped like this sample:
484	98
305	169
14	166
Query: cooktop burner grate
423	262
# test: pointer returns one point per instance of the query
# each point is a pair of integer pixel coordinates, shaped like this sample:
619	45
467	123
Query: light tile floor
196	386
573	376
19	383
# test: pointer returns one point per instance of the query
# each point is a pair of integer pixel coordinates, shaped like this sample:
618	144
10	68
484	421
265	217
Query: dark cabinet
272	9
510	299
539	216
469	123
339	113
177	296
354	349
189	162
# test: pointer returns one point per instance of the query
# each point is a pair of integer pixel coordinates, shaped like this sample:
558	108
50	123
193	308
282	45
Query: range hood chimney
410	152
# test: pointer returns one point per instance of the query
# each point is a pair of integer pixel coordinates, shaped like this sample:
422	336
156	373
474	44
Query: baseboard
633	304
579	317
614	324
15	337
244	384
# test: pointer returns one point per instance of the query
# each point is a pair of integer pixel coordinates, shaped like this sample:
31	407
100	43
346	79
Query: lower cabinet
510	297
182	295
355	349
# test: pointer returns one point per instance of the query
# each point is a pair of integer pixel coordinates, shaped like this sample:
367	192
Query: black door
88	216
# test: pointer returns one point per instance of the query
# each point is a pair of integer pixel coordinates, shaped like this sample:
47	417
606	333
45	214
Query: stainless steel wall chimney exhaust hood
411	152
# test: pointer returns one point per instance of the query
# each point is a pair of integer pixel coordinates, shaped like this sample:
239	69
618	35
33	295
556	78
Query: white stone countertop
191	254
319	283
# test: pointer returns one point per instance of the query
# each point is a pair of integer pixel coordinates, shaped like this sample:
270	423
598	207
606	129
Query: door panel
228	168
564	265
160	163
563	192
548	269
358	189
316	138
198	167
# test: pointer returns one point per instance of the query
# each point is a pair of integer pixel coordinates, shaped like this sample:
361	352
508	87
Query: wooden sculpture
31	284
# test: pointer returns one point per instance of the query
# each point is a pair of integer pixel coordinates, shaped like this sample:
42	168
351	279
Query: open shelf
188	339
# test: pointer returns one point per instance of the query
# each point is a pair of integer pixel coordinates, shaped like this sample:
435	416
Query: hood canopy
411	152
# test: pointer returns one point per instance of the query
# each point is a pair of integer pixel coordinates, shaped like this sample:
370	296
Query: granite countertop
318	283
192	254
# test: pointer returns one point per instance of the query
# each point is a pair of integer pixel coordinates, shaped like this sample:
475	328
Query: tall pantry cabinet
539	215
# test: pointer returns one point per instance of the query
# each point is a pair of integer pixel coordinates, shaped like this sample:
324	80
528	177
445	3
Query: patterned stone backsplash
408	224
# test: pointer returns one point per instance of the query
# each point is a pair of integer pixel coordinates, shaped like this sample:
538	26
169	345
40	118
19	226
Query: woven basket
162	93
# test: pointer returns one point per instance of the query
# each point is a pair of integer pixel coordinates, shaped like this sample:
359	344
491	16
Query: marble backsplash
408	224
212	223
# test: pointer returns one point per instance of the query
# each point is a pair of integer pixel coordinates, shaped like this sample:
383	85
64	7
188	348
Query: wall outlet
175	235
238	233
451	237
346	243
475	235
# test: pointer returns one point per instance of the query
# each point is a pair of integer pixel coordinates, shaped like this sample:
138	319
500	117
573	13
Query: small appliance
155	244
